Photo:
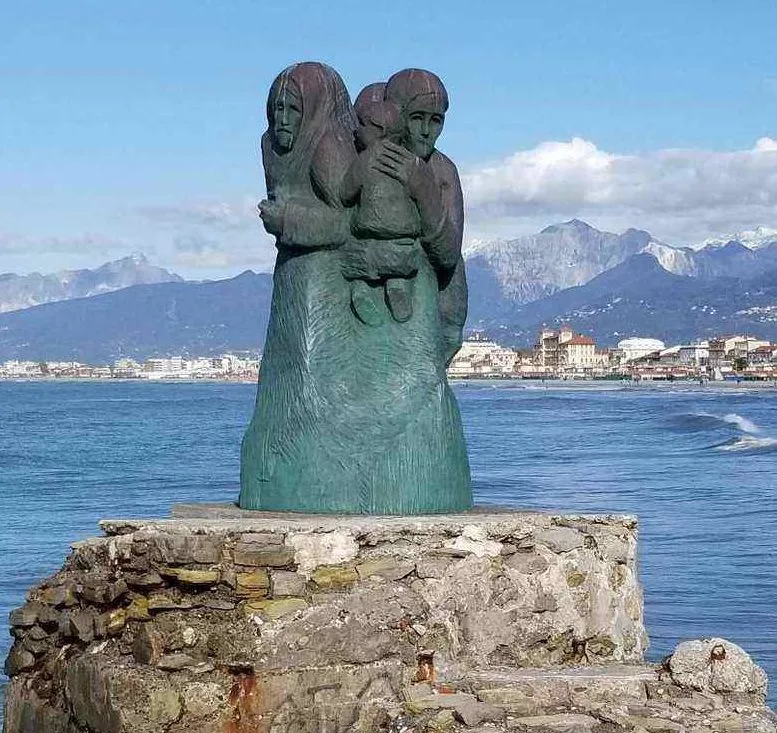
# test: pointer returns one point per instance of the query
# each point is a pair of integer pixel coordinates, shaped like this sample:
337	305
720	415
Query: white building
695	354
22	369
482	359
636	348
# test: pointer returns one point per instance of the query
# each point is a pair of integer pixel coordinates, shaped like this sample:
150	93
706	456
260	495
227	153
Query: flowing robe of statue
350	417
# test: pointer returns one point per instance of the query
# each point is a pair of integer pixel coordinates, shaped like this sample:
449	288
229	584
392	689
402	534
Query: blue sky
134	127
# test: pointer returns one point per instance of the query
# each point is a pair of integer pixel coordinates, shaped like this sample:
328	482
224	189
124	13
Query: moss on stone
575	579
334	577
253	584
274	609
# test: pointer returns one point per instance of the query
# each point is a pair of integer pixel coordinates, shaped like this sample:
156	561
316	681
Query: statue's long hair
327	112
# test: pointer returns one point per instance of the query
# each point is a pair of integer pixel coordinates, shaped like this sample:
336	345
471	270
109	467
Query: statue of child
384	209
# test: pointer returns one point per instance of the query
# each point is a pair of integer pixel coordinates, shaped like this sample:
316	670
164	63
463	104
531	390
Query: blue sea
697	464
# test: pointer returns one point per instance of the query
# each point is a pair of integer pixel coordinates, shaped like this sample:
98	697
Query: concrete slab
541	691
492	520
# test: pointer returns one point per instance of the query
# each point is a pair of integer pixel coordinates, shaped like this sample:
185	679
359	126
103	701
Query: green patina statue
353	412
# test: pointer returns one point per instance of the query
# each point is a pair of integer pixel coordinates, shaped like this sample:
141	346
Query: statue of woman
350	417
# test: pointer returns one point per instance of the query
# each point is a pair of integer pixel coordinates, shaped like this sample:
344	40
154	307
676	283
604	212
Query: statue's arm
442	217
351	186
312	224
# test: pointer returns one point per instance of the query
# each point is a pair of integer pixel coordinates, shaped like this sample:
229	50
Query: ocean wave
701	421
749	444
748	438
745	425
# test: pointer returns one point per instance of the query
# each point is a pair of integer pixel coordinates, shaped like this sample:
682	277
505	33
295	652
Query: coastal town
564	354
557	354
227	367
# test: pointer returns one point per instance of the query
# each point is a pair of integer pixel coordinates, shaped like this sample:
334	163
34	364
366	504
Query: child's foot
399	297
366	303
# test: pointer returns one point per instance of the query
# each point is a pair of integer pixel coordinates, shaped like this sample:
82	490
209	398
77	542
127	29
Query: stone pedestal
224	621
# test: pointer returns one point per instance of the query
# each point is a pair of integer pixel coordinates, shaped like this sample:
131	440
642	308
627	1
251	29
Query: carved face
377	121
423	124
367	134
286	118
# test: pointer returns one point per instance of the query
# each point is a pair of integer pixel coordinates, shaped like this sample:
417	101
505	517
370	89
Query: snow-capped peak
752	238
474	245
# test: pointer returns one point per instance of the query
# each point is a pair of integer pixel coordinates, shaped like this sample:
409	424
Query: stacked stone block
282	623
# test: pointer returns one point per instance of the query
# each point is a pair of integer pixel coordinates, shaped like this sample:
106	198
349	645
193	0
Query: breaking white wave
745	425
750	444
750	440
747	436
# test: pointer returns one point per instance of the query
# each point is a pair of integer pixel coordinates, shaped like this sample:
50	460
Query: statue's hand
403	166
272	216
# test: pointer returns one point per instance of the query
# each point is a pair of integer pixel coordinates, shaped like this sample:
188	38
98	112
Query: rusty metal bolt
718	653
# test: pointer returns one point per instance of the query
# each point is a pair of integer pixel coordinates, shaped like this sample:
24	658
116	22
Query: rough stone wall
280	623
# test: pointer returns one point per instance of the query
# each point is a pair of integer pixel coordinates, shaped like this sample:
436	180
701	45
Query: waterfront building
479	358
126	369
16	369
716	358
695	354
692	355
232	364
577	352
763	355
742	347
737	352
634	348
226	366
548	351
200	366
668	356
602	361
565	351
156	365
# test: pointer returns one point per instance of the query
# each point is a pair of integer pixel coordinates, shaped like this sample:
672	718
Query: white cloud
216	236
220	216
682	196
197	252
14	244
24	254
766	145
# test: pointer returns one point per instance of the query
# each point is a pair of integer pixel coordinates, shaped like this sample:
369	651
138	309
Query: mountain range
573	253
141	321
607	285
610	286
640	297
25	291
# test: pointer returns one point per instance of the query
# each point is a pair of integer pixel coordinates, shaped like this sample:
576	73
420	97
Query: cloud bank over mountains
212	235
682	196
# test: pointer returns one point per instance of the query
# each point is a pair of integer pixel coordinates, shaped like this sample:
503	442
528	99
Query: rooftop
581	340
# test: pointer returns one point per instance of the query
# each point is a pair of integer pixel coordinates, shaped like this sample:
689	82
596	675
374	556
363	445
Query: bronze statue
353	412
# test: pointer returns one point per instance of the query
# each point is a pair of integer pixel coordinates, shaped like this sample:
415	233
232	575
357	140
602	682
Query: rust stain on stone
243	699
405	622
425	671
